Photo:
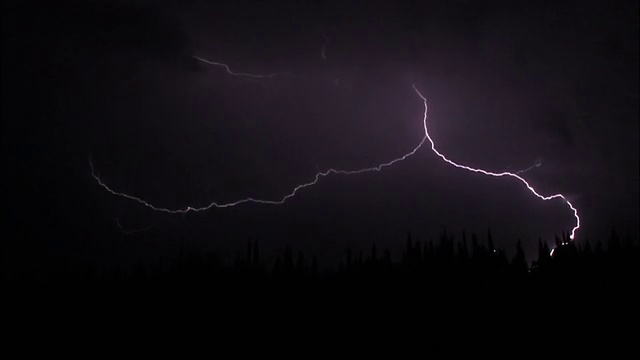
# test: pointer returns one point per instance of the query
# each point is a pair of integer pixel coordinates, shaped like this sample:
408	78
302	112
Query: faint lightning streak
550	197
345	172
250	199
133	231
257	76
538	164
324	47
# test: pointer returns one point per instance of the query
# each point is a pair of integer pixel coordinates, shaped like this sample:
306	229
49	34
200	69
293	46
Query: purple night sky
507	86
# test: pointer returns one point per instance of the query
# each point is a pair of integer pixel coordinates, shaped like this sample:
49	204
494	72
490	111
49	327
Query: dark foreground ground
448	300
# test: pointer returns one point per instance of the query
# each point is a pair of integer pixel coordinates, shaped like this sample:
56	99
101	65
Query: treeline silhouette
450	297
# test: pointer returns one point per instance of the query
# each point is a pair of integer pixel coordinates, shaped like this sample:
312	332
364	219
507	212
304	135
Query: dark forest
450	297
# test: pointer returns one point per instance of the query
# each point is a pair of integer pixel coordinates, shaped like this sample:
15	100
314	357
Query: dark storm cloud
507	83
555	123
135	26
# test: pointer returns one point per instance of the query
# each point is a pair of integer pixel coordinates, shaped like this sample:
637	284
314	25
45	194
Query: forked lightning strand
256	76
250	199
550	197
346	172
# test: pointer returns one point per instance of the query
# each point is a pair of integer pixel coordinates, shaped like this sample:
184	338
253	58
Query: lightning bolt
326	173
295	190
501	174
231	72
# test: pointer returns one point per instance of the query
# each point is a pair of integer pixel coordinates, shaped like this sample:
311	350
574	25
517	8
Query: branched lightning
255	76
326	173
501	174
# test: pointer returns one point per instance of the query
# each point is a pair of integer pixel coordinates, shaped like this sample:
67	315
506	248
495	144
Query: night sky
509	84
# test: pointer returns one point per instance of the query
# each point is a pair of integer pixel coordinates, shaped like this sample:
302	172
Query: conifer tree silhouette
374	253
287	261
492	248
519	262
256	254
300	266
